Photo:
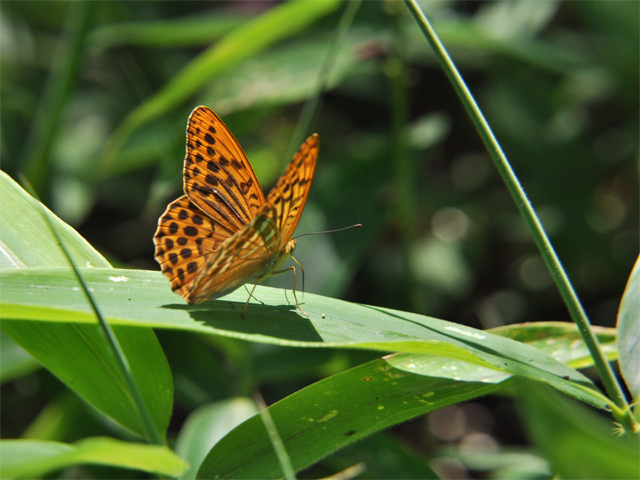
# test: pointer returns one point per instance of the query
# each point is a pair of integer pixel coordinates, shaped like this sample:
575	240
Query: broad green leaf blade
344	408
561	340
59	419
578	442
278	23
15	362
629	333
25	238
143	298
78	355
286	74
34	458
463	33
207	425
176	33
199	378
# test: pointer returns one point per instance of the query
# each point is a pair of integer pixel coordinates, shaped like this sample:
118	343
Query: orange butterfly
223	233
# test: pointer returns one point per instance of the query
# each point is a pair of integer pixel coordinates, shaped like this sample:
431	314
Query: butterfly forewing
290	193
217	175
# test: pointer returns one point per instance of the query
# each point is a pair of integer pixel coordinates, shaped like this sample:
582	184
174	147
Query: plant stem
310	107
526	210
283	457
403	159
62	74
112	340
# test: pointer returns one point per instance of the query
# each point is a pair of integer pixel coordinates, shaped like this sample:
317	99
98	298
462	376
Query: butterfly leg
294	285
294	275
250	295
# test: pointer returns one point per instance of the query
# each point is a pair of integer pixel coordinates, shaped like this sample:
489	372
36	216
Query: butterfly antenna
328	231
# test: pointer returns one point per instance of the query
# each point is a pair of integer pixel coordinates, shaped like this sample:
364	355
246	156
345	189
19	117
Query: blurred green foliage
557	81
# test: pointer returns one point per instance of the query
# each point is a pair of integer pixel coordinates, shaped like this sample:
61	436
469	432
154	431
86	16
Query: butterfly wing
186	237
289	195
246	256
222	196
257	248
223	233
218	178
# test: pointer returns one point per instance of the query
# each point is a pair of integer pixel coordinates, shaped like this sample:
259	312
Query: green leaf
168	34
79	356
561	340
278	23
15	362
578	442
33	458
346	407
25	238
285	75
59	419
198	376
464	33
142	298
629	333
207	425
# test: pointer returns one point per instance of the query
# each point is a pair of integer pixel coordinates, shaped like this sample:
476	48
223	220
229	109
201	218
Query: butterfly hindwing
218	178
289	195
186	238
247	255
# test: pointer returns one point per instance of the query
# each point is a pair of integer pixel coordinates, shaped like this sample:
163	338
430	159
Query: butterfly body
223	233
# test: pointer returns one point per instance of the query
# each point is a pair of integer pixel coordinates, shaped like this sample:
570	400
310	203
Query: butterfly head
291	246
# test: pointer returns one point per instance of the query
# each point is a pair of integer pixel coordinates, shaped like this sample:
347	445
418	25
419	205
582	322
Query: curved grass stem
526	210
310	107
112	340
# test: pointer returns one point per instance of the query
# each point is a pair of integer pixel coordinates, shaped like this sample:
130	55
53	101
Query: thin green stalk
47	116
112	340
309	109
526	210
283	457
405	185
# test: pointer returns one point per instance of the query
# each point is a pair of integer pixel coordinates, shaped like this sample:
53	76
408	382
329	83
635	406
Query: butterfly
223	233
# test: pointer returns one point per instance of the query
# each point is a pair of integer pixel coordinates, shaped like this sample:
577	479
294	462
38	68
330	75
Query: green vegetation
437	343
